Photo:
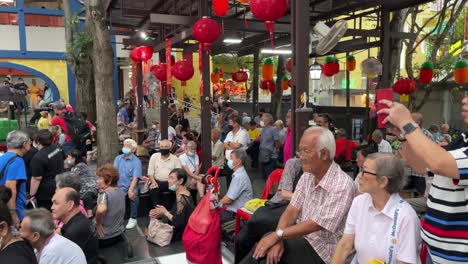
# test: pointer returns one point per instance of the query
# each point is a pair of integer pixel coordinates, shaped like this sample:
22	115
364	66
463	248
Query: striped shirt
327	204
445	226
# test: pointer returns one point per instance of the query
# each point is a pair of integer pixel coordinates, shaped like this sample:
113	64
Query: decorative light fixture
143	35
276	51
315	71
232	40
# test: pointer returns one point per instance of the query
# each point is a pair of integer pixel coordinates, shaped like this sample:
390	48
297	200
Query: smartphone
382	94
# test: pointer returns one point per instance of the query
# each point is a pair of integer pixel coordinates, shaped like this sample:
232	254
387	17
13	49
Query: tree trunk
103	64
396	45
277	96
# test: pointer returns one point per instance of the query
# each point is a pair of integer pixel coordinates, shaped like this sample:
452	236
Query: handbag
159	233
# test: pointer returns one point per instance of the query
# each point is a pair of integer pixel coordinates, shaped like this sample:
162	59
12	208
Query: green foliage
81	44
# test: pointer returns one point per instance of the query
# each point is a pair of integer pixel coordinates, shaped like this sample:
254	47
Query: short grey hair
341	132
269	118
42	222
240	154
131	142
68	179
387	165
192	144
326	140
16	139
377	133
446	126
279	123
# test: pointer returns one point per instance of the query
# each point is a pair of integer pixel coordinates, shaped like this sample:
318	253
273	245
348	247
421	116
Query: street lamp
315	71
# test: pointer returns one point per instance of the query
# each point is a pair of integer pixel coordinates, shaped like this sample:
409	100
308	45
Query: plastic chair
244	214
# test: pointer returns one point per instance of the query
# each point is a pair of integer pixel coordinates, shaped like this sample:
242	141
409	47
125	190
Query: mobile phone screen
382	94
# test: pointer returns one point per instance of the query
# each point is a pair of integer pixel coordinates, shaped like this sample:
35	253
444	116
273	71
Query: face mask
165	152
191	154
173	188
70	162
230	164
126	151
153	126
262	124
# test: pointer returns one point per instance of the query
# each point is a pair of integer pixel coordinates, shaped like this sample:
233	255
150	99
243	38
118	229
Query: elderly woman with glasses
380	226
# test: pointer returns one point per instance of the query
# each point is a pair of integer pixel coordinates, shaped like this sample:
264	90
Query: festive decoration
183	71
284	83
268	85
220	7
405	87
215	76
268	70
460	74
142	53
289	65
426	72
245	2
350	63
336	66
240	76
328	67
269	11
206	31
159	71
221	73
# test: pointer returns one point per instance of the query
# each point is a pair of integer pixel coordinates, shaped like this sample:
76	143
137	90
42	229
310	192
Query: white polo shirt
371	229
241	137
385	147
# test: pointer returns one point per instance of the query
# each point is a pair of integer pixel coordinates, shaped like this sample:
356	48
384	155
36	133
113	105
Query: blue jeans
268	167
133	205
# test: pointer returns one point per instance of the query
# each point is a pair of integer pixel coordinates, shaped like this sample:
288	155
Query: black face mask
165	152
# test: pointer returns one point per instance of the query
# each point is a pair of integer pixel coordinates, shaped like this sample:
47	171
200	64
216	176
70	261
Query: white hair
131	142
326	140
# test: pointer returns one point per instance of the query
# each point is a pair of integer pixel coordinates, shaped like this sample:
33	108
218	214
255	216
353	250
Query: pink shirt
287	148
327	204
371	229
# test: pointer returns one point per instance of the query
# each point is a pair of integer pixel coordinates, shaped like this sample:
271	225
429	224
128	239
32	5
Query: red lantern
405	87
328	68
220	7
426	73
240	76
289	65
183	71
159	71
269	11
268	85
142	53
206	31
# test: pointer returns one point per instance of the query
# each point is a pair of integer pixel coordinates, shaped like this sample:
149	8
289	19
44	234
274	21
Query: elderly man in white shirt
237	138
384	145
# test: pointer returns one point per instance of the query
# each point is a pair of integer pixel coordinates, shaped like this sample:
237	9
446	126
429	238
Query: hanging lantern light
215	76
405	87
206	31
350	63
268	70
315	71
240	76
460	74
284	83
269	11
159	71
426	72
289	65
183	71
142	53
328	67
220	7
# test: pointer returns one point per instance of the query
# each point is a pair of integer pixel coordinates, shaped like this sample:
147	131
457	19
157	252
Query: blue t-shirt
16	171
128	169
123	116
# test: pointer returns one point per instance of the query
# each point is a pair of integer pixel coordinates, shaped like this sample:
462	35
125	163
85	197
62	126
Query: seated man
265	219
76	226
313	222
240	190
38	229
159	167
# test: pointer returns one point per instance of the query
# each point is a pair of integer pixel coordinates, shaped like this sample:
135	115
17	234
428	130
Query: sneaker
132	222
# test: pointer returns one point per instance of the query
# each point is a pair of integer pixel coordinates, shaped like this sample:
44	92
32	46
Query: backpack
77	127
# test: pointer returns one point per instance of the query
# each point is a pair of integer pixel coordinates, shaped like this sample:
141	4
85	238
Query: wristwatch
279	233
408	128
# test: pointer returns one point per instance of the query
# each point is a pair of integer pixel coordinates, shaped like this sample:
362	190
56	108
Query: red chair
245	214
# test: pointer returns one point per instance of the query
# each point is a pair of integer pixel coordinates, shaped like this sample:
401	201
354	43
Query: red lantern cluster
183	71
330	67
426	73
206	31
268	85
289	65
160	71
240	76
142	53
220	7
405	87
269	11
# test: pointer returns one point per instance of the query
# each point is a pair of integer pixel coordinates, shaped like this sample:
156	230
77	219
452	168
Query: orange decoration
215	76
268	70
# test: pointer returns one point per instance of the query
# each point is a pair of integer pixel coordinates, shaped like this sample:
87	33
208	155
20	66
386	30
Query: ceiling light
232	40
143	35
276	51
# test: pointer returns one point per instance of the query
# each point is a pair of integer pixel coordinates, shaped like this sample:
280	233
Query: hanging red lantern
460	74
336	66
183	71
268	85
220	7
206	31
159	71
142	53
269	11
240	76
426	72
405	87
284	83
328	67
350	63
289	65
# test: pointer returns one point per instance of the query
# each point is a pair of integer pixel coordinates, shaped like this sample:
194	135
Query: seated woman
89	188
13	249
380	225
111	207
180	212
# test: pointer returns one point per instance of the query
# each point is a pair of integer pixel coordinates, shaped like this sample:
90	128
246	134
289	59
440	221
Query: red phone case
382	94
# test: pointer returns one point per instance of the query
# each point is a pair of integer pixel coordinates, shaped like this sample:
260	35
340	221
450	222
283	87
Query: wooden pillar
140	125
256	76
163	110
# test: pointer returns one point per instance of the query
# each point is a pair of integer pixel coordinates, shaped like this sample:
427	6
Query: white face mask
153	126
262	124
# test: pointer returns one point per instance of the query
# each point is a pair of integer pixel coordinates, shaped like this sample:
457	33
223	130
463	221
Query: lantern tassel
183	83
270	26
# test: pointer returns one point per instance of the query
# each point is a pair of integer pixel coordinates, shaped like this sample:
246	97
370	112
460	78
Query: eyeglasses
368	172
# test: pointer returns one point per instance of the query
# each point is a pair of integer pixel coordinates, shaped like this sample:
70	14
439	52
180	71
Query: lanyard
393	233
